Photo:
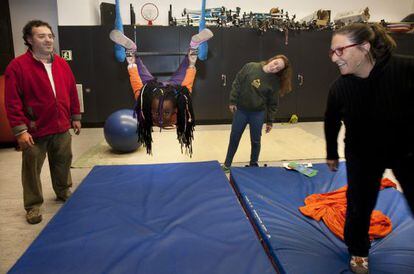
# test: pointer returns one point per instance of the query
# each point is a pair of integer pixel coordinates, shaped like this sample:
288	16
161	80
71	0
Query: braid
160	108
185	120
143	112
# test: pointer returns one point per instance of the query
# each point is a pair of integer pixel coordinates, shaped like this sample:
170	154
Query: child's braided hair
181	99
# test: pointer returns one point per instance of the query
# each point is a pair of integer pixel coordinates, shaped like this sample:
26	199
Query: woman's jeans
240	120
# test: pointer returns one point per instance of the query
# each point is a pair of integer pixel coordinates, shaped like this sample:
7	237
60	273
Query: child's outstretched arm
191	71
134	78
196	40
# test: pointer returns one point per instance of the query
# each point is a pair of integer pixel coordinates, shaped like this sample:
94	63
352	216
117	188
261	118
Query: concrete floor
16	234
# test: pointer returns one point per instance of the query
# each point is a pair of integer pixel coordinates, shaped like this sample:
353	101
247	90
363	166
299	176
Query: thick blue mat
300	245
149	219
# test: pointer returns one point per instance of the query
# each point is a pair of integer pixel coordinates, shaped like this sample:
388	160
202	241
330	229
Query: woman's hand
269	127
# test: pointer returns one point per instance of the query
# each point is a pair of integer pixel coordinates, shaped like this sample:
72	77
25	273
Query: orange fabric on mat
331	208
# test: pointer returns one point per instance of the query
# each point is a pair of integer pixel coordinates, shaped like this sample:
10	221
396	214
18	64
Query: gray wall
22	11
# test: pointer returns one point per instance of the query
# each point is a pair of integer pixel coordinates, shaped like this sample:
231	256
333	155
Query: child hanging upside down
165	103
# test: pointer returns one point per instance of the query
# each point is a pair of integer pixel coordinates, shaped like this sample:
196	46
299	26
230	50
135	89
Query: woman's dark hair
382	44
285	74
27	30
181	99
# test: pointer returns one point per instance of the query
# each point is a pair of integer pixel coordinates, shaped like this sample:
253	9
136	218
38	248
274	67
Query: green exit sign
66	54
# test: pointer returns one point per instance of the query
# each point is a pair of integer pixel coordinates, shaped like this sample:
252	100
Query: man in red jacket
42	105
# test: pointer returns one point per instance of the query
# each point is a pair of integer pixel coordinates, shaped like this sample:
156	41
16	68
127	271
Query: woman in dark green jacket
254	99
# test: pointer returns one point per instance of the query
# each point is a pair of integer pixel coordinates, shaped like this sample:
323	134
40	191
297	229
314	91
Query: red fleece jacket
30	102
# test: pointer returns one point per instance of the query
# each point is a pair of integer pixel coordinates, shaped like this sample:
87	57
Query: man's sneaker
64	197
225	169
359	265
33	216
252	165
200	37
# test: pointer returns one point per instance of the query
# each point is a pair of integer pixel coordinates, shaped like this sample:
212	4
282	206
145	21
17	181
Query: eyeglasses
340	51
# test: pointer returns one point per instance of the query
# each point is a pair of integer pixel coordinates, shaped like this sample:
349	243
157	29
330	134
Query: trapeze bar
155	53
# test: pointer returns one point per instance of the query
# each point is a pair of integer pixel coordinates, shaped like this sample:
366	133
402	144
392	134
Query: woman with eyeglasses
374	98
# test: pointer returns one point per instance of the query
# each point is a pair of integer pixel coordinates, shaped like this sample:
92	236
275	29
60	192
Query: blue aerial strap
203	48
119	50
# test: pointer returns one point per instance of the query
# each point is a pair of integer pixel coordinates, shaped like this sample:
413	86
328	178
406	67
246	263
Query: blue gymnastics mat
149	219
300	245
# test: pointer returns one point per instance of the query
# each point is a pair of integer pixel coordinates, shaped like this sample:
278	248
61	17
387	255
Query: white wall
22	11
82	12
86	12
